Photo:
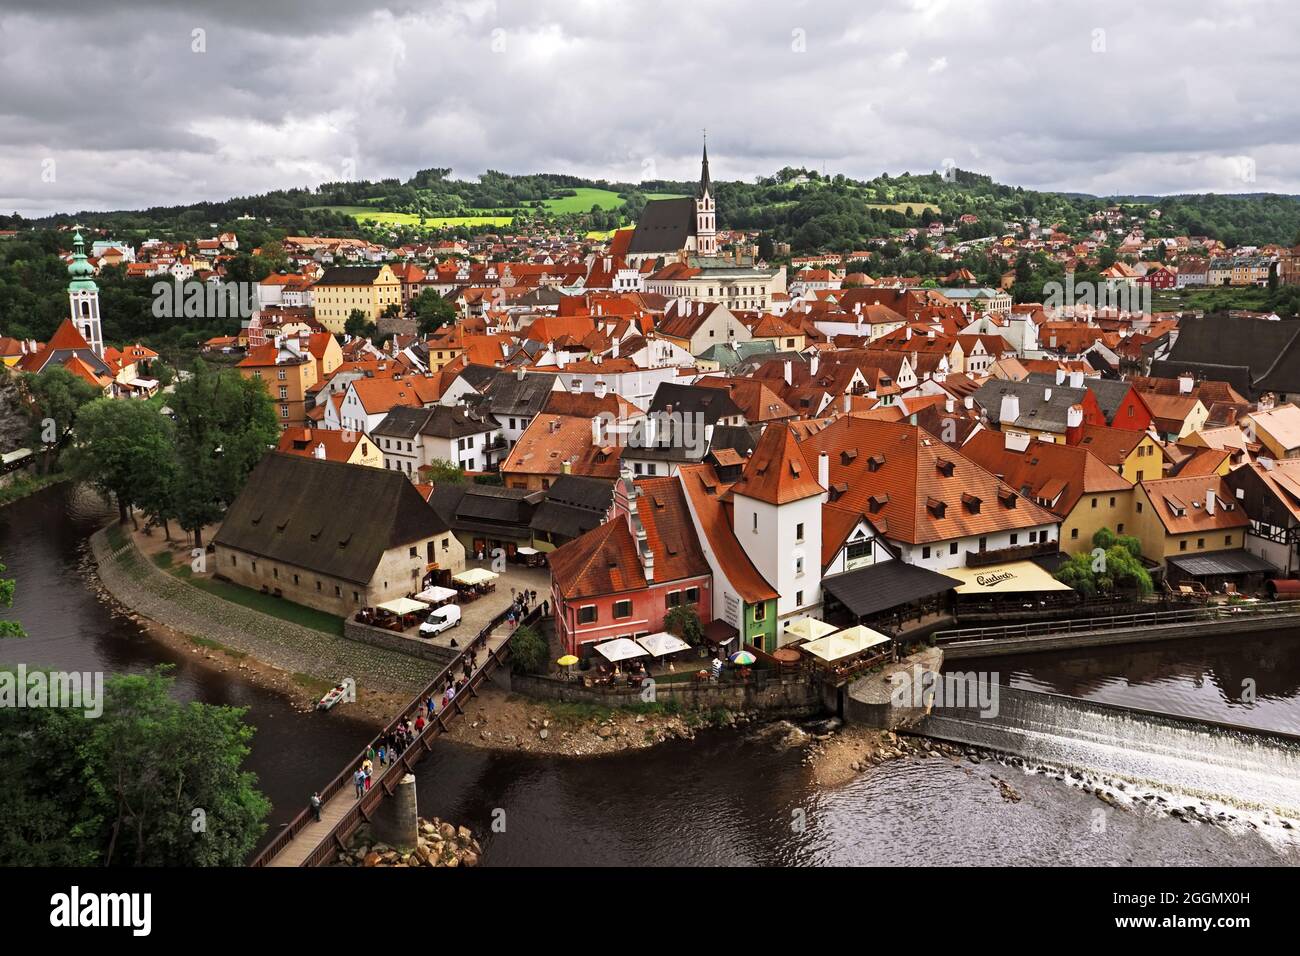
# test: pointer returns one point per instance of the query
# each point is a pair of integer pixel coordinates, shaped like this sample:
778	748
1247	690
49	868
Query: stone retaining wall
378	637
788	697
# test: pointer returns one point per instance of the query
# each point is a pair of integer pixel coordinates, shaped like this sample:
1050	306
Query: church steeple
705	184
706	224
83	297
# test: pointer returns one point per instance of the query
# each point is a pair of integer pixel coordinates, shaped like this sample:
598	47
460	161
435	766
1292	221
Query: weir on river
1240	764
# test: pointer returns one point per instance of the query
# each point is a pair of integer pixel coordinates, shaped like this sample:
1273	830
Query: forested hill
810	211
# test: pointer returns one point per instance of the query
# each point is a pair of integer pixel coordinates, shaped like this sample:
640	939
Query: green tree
124	449
225	424
444	472
1114	564
358	326
7	588
433	311
684	622
56	397
151	782
529	653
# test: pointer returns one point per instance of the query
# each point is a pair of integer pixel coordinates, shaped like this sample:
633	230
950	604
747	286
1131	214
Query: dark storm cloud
1103	97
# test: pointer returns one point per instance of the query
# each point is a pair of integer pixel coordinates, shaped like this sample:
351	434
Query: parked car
440	619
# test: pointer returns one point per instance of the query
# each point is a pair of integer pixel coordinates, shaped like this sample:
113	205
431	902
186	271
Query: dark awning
1221	563
885	585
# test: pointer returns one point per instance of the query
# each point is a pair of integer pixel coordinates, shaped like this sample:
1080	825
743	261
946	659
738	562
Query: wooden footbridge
306	841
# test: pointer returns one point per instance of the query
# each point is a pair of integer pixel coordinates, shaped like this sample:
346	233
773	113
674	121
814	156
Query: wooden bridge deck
308	842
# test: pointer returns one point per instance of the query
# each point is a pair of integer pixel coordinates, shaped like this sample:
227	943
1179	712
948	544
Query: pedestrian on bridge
359	780
315	805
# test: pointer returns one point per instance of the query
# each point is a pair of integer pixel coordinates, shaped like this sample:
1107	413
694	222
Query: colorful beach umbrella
743	658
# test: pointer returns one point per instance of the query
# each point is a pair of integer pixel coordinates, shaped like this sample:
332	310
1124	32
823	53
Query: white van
441	619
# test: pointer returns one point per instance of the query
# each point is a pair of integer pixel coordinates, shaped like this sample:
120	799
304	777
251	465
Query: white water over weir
1237	764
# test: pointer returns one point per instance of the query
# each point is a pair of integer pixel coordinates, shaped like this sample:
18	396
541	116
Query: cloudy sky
109	105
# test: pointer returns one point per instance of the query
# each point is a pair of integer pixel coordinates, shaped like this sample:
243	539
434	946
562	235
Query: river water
724	798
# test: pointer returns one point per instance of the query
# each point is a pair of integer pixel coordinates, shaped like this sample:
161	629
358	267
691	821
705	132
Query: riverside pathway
153	593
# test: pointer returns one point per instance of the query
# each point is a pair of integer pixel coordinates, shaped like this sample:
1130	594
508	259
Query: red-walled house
1115	404
620	579
1160	277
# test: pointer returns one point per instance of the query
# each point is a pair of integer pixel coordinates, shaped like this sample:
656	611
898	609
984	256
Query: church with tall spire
675	229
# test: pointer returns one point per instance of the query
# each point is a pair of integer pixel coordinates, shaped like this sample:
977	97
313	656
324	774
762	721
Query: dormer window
936	507
875	462
946	467
1007	497
971	503
876	502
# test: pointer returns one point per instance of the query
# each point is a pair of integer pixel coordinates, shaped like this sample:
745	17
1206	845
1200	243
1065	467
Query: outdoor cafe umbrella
567	662
742	658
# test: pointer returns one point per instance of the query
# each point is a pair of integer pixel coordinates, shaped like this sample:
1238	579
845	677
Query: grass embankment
267	604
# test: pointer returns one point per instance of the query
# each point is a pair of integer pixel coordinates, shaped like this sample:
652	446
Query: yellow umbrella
567	660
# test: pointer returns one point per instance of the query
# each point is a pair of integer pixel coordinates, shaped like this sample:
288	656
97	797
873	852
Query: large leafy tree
56	398
529	653
125	449
433	311
1114	564
151	782
224	425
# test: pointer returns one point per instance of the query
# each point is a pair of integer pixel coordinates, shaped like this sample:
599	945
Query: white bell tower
83	298
706	222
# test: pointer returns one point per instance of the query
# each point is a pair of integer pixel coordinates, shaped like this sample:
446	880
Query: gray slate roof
326	517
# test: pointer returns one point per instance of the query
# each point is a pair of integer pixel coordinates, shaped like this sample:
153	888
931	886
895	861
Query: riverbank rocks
439	844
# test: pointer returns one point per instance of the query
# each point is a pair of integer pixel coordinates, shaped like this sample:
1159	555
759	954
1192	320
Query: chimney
614	349
1060	375
1010	410
598	388
787	372
824	470
1047	394
812	365
848	403
319	451
1185	383
519	374
1015	441
1073	424
949	405
968	402
1076	379
1209	501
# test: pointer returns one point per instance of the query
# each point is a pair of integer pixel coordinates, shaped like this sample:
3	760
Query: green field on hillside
583	199
916	207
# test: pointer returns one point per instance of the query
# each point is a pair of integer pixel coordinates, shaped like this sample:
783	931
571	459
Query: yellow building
1187	516
288	371
344	289
1135	455
330	444
1068	481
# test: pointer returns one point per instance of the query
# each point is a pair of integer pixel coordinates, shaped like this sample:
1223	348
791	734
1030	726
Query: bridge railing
362	809
1212	612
